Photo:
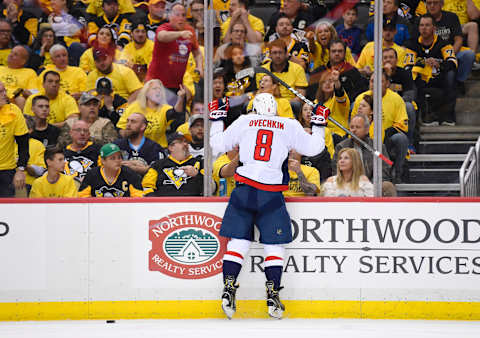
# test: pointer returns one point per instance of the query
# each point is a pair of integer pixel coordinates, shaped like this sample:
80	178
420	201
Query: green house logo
191	246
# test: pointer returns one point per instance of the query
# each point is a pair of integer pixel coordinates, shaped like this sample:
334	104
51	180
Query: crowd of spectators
105	98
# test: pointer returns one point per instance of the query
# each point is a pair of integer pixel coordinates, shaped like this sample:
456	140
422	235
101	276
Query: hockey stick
252	71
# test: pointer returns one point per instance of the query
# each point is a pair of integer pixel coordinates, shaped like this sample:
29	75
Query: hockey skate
275	306
229	305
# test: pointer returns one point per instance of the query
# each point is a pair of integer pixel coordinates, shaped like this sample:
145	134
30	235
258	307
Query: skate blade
275	312
229	311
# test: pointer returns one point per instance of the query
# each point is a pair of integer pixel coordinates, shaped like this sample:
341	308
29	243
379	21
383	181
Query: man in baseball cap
195	127
111	179
180	174
104	86
87	97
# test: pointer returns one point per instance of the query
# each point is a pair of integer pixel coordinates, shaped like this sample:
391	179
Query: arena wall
161	258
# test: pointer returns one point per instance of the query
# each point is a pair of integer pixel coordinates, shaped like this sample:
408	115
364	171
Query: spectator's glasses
238	31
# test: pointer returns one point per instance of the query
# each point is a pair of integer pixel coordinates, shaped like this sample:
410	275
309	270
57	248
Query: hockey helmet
264	104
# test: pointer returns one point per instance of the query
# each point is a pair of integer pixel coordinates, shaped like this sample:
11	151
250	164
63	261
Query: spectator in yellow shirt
54	183
138	53
304	180
12	129
239	13
394	124
62	105
269	85
288	71
5	41
18	81
365	61
225	167
152	103
468	12
321	162
73	80
332	95
125	82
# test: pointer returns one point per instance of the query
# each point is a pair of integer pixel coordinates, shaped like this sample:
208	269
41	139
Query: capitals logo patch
187	245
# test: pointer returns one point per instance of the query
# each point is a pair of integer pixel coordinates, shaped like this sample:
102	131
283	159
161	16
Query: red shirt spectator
173	44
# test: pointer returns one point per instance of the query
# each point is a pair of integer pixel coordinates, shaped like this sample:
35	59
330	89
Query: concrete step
472	88
451	129
437	158
466	110
436	161
445	133
452	137
421	190
433	175
441	147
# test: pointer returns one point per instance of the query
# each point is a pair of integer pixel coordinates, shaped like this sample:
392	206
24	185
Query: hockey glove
219	109
320	116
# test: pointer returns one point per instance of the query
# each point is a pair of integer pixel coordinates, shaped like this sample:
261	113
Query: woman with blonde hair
269	85
151	102
319	44
331	94
350	180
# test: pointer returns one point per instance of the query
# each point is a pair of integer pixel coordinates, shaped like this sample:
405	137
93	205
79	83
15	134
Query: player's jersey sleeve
304	143
223	141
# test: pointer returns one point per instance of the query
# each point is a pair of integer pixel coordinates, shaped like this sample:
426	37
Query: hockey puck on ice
110	321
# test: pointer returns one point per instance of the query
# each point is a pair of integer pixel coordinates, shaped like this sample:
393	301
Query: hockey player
264	141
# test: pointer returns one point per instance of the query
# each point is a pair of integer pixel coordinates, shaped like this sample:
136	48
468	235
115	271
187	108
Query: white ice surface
242	328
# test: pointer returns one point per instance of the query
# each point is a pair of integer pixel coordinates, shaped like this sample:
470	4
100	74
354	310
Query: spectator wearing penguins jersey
139	152
180	174
111	179
81	155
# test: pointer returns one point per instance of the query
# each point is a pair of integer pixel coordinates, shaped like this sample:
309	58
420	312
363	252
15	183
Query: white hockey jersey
264	143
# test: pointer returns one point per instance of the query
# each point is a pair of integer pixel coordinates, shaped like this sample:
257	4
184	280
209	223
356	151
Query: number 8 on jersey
263	147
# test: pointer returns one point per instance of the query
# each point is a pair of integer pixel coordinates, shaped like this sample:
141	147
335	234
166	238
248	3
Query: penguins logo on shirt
176	176
78	166
106	191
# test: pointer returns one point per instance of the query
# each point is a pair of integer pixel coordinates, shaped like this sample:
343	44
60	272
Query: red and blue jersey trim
261	186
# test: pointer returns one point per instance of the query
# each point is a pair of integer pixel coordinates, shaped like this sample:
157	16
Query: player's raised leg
273	272
232	264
